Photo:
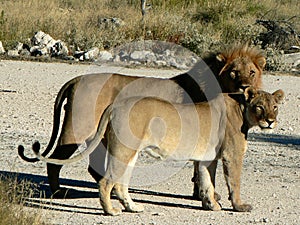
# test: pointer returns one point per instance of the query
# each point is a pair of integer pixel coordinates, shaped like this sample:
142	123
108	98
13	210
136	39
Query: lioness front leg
232	172
207	190
121	191
212	171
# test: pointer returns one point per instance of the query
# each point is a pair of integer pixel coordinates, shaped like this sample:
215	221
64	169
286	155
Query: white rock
139	55
19	46
59	49
13	53
105	56
91	54
42	39
44	44
160	63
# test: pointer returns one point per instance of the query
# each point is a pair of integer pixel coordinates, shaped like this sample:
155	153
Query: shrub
12	199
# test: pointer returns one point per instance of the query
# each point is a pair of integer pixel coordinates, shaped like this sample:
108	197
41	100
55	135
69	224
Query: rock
19	46
91	54
13	53
59	49
160	63
142	56
105	56
292	60
38	51
25	52
44	44
42	39
2	50
79	55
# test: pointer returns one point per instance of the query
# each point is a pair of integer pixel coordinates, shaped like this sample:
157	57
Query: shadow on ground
44	199
289	141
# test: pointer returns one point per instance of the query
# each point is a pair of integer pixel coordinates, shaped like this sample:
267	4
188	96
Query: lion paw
114	211
243	208
211	205
200	196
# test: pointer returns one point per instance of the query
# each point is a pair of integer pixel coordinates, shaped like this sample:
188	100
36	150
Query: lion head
262	107
237	67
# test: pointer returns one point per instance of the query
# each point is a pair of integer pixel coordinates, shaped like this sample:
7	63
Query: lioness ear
250	92
278	95
261	62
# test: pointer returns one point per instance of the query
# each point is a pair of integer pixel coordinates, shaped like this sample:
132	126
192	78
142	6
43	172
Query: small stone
265	220
158	214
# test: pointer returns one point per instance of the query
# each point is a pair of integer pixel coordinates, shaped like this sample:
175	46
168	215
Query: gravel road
270	180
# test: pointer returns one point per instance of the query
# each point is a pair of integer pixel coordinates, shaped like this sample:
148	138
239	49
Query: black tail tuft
21	150
36	147
21	154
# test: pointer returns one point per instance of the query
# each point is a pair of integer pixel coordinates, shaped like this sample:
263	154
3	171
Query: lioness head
262	107
241	67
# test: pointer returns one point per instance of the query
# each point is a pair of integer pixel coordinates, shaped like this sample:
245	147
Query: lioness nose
270	121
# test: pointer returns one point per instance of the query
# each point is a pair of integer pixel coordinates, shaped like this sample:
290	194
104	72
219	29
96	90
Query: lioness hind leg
207	191
121	191
105	188
212	171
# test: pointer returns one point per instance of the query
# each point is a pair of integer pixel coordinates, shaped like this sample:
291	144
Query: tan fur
203	132
87	96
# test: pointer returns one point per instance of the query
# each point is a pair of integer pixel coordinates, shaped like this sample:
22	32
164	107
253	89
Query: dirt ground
270	180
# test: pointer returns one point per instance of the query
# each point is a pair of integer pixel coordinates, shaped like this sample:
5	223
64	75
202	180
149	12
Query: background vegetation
12	199
196	24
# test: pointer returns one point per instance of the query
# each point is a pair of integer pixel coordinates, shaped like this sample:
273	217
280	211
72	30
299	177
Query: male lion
87	96
201	132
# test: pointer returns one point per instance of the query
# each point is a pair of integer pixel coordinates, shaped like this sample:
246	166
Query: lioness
87	96
201	132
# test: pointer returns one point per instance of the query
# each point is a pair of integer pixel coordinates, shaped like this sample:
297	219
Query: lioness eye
252	73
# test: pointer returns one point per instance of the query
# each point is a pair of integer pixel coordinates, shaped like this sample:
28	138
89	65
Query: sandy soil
270	180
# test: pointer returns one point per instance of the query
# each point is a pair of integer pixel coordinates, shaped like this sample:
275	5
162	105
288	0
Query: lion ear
250	93
278	95
221	58
261	62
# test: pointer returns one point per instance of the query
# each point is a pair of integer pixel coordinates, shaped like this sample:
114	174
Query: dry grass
196	24
12	195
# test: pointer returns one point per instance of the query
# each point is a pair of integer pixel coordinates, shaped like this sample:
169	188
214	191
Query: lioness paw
135	208
114	212
243	208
